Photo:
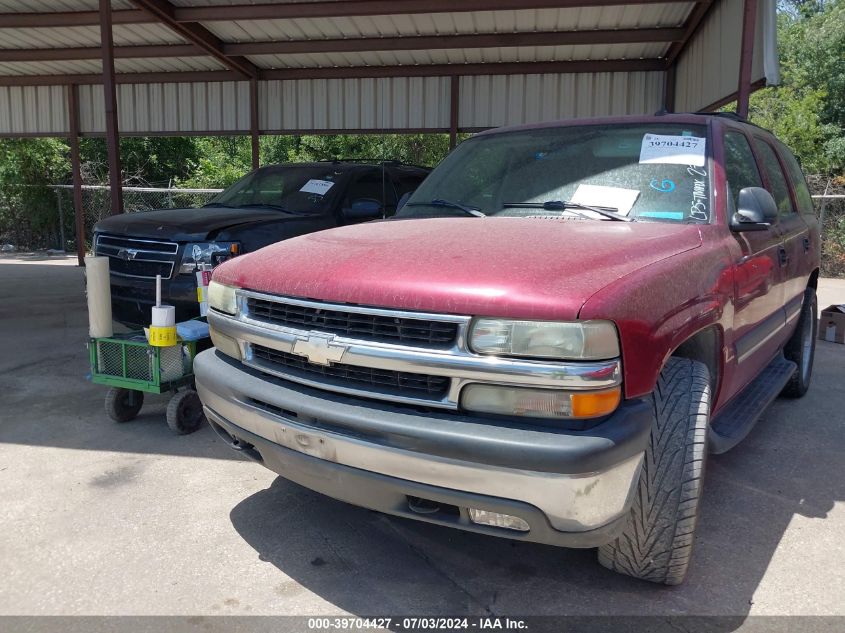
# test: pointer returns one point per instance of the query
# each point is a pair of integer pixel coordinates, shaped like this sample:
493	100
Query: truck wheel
122	404
184	412
657	542
801	347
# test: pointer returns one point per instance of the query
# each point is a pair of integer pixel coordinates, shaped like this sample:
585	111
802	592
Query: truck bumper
572	488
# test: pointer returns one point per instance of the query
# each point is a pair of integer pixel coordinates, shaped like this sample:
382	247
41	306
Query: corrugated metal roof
638	16
364	104
70	36
39	6
461	56
492	101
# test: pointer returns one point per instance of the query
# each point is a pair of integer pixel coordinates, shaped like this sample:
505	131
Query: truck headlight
562	340
222	298
539	403
210	253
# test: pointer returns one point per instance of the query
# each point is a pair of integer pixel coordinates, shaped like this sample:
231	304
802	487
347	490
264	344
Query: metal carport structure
70	68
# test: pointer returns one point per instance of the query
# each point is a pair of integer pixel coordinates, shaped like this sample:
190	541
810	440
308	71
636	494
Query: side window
780	190
740	168
799	183
374	185
406	182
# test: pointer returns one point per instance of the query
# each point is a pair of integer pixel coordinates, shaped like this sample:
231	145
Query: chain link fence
829	196
39	218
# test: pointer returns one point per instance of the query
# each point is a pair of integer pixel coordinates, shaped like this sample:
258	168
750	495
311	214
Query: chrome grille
398	383
136	257
415	332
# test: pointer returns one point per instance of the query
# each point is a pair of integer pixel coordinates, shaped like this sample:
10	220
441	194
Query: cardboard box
832	324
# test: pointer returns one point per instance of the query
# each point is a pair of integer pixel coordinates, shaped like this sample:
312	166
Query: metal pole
253	121
454	105
110	102
746	57
61	219
73	120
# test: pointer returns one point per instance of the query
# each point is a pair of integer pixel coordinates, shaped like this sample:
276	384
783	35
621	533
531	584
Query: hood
508	267
186	225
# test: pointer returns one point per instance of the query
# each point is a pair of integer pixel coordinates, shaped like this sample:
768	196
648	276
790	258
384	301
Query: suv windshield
302	189
655	172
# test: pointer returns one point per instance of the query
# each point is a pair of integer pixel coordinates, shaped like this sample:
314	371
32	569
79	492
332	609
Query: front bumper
573	488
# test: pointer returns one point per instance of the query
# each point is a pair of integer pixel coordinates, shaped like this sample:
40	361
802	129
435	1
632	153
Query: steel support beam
76	169
353	72
294	10
254	131
746	57
363	44
454	109
669	88
198	35
110	102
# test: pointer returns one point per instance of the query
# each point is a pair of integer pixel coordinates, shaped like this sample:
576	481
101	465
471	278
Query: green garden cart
131	367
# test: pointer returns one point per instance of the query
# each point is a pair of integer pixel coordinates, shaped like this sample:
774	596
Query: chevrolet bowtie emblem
319	350
127	254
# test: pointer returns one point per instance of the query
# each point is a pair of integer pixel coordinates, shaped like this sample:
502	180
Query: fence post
824	206
62	241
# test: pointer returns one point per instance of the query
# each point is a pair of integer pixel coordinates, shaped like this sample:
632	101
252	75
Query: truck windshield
304	189
655	173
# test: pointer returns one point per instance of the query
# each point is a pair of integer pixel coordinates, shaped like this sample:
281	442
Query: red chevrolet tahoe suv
544	343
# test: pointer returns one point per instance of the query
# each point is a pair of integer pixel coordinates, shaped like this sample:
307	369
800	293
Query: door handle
782	256
806	244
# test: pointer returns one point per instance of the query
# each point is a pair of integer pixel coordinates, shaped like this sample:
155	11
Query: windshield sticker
619	199
320	187
698	206
664	186
672	150
663	215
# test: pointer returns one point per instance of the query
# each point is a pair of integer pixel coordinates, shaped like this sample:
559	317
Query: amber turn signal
592	404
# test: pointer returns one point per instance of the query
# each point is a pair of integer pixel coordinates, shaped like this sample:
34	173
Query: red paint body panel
661	283
509	267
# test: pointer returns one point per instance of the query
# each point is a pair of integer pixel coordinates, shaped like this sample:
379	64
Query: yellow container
163	336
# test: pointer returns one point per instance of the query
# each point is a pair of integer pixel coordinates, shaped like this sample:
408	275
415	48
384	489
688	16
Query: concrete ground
105	518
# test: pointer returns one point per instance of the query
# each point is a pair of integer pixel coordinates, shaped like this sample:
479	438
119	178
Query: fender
658	307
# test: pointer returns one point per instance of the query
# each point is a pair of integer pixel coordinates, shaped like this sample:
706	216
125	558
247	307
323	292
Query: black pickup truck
267	205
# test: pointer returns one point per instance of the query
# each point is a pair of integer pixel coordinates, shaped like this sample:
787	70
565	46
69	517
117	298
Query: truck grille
134	257
359	325
354	377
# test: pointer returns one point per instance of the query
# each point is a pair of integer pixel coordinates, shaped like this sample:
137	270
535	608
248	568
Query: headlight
222	298
210	253
539	403
576	340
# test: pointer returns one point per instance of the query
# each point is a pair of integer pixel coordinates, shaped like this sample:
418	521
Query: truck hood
508	267
186	225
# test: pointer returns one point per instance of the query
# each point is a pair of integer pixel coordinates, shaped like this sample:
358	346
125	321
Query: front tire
656	544
801	347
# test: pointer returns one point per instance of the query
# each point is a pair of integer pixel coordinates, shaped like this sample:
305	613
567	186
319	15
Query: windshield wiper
562	205
218	204
448	204
264	205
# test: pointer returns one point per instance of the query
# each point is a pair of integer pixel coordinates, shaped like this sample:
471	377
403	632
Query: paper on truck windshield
672	150
320	187
616	197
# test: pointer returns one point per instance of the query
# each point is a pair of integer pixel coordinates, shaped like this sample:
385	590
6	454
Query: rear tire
656	544
122	404
801	347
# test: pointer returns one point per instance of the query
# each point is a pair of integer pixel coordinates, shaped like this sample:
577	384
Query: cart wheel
184	412
122	404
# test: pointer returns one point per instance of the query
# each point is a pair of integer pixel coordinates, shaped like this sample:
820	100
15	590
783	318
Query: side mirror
757	210
405	197
363	209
